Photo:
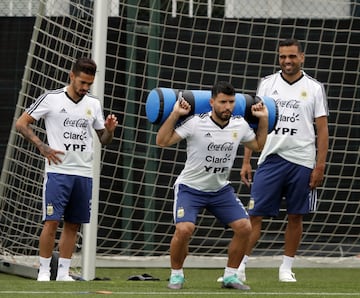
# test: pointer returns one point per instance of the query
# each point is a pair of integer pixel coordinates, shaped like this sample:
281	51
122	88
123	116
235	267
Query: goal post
183	45
99	55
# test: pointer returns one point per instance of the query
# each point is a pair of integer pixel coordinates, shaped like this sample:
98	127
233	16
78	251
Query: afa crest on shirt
303	95
234	135
88	113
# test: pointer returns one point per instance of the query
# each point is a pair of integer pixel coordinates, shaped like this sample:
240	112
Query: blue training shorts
67	197
277	179
223	204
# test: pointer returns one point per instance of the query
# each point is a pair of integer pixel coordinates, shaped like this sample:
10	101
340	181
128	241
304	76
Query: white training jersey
211	150
298	104
69	129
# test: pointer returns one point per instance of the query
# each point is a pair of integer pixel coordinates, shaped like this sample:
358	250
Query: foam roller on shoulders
160	102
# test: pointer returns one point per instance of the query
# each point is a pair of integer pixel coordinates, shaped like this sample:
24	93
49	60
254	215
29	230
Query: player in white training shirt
70	115
289	165
74	135
210	150
212	143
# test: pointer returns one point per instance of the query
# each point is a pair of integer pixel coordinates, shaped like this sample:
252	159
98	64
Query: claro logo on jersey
79	134
219	156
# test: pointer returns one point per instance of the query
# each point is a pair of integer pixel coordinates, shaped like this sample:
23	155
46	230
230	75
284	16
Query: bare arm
166	135
106	135
259	110
23	126
317	175
246	169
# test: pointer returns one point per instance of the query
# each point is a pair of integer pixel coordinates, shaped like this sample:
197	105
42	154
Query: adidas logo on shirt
208	135
63	110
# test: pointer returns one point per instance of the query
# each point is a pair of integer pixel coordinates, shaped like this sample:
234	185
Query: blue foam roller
160	103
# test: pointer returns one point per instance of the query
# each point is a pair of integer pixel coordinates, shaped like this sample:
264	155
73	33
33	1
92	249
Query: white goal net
185	45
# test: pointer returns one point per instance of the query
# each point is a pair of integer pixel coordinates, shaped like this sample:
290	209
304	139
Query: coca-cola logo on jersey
81	123
289	104
227	146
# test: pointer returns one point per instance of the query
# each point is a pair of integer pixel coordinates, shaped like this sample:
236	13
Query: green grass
312	282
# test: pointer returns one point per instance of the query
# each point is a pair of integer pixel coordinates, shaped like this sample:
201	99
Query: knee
184	231
50	228
247	228
242	228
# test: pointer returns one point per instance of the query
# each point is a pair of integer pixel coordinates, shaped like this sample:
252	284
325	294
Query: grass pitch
312	282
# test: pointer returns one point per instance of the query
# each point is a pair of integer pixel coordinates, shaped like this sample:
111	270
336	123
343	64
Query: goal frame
151	157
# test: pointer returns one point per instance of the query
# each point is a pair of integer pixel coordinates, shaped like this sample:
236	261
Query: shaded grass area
312	282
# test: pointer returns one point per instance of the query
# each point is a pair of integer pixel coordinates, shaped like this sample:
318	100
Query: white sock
63	267
243	262
287	262
229	271
44	264
177	272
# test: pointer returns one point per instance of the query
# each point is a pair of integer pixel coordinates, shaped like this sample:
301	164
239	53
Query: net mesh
185	45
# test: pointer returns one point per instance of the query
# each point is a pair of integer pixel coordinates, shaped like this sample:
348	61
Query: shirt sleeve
39	108
321	106
99	117
249	135
185	129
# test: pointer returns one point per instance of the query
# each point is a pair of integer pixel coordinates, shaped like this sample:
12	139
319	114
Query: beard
81	93
223	116
292	70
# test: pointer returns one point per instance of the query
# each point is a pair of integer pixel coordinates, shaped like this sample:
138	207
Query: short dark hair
85	65
222	87
291	42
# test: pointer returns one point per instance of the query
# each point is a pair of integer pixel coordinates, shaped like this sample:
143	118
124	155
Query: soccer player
212	141
70	114
290	167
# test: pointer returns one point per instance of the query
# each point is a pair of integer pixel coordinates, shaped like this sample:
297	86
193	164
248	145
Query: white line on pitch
191	293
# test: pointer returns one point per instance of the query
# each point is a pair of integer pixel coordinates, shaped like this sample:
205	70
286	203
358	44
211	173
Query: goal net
185	45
